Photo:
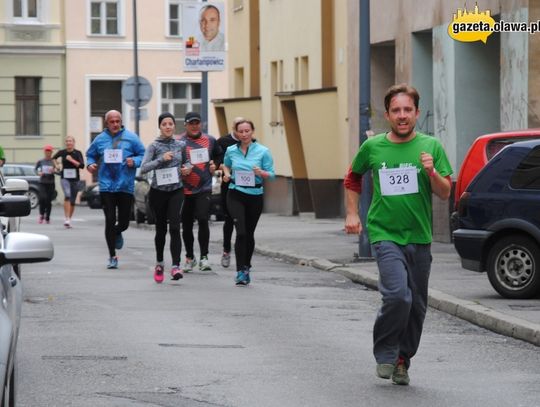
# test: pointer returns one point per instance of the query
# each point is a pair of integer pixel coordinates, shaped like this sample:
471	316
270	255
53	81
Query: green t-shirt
400	210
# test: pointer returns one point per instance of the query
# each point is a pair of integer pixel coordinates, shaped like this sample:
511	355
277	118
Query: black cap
165	115
191	116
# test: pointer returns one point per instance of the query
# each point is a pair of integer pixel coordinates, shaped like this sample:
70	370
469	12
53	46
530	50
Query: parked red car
482	150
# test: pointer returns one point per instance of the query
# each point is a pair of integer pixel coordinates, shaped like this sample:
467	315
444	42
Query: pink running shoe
40	219
158	274
177	273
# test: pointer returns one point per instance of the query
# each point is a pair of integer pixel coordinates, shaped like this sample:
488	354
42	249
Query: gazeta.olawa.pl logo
471	26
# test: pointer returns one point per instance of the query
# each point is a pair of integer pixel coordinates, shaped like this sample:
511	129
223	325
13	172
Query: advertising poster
203	36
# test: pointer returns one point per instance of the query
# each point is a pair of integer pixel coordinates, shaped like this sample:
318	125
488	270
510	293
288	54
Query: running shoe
189	264
158	273
113	263
67	224
242	277
47	221
177	273
119	241
204	264
400	375
226	259
40	219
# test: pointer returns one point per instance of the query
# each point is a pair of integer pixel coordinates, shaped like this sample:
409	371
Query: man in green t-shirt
407	167
2	157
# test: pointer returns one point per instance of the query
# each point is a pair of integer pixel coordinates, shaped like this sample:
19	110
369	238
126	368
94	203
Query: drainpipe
364	249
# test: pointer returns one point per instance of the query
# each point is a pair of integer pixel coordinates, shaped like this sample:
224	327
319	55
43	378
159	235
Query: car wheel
513	267
33	195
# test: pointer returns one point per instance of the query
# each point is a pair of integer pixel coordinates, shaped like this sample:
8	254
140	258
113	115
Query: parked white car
16	248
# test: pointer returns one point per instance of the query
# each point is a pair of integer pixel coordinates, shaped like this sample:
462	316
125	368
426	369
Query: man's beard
403	135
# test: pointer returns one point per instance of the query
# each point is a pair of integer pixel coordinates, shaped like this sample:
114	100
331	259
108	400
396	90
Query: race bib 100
398	181
244	178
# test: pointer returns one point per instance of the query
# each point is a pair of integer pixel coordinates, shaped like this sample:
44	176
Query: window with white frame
27	106
25	9
174	18
179	98
104	17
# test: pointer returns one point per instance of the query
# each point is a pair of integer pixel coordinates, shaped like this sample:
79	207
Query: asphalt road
296	337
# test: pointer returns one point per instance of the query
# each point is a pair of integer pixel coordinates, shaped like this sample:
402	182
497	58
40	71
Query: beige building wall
90	58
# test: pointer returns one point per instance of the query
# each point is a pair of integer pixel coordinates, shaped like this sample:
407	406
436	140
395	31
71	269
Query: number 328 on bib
398	181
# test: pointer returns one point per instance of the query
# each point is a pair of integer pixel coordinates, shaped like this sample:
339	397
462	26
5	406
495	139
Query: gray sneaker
385	370
204	264
400	375
189	265
226	259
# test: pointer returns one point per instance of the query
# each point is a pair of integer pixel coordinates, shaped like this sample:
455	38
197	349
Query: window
104	17
26	9
180	98
527	174
175	18
27	106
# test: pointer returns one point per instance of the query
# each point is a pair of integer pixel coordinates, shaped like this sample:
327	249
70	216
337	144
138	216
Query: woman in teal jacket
246	164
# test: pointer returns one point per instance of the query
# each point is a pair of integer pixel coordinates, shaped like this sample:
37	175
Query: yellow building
289	73
32	70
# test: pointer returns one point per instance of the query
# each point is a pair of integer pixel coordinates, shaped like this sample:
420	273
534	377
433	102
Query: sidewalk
323	244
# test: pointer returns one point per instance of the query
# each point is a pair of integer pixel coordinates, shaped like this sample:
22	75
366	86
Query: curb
467	310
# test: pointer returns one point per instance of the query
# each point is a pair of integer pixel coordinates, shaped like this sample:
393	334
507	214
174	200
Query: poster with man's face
203	36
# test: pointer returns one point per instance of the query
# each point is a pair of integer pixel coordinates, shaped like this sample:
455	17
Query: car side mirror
14	205
15	186
20	247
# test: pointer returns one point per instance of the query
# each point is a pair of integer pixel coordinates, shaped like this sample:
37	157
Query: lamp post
136	69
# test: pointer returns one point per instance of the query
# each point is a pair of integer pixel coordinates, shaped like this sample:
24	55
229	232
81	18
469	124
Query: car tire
33	195
513	267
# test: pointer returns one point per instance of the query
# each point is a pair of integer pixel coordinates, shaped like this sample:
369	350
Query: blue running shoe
119	241
242	278
113	263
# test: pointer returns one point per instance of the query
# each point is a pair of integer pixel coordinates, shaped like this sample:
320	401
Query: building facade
32	77
63	65
100	58
295	67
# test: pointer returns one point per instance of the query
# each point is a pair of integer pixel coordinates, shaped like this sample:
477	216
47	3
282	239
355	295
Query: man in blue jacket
115	153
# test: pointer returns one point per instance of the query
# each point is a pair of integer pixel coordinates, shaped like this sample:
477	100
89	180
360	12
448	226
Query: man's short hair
401	88
208	7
